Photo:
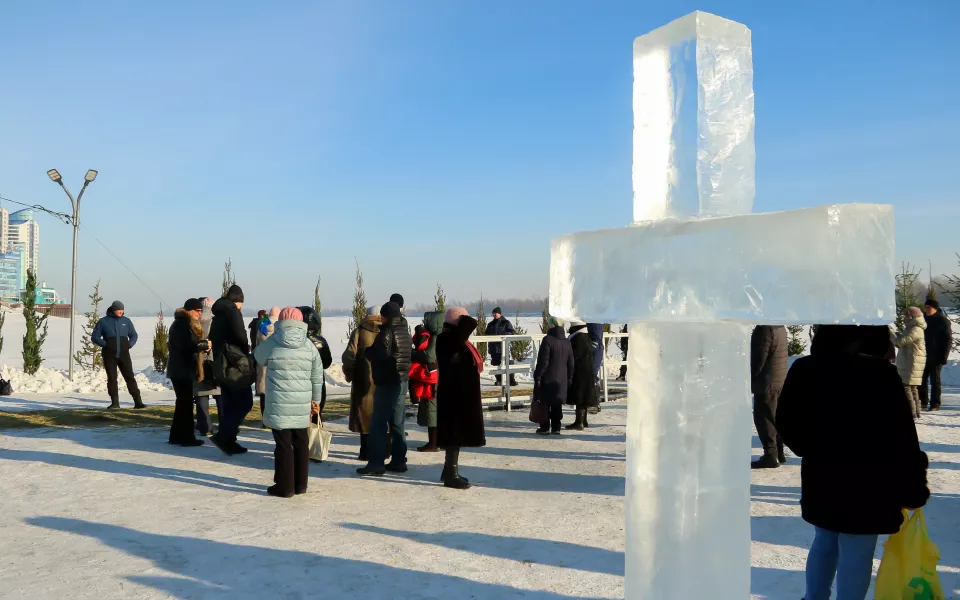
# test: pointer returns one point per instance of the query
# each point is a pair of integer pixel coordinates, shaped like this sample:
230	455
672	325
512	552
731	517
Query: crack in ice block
827	264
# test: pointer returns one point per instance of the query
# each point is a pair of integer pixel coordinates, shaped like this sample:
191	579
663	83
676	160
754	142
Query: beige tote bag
319	441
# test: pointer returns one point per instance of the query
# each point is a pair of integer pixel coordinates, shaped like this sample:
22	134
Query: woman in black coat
185	368
841	403
459	410
582	389
553	375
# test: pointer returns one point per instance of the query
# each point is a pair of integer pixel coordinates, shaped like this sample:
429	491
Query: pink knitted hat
453	315
291	313
274	314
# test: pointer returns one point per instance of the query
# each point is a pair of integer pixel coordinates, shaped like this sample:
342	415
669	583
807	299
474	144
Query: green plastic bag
908	570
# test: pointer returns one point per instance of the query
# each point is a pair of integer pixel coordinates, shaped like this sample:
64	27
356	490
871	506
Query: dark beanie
397	299
390	310
235	294
117	305
497	311
193	304
932	303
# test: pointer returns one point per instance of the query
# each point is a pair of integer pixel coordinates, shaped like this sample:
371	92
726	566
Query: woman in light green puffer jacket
294	382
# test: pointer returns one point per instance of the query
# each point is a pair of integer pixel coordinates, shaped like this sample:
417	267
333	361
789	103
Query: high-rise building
4	225
12	275
23	233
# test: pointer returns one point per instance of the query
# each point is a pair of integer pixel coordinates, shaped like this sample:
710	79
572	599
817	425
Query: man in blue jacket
116	335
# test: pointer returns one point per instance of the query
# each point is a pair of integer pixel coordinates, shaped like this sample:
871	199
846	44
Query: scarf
476	357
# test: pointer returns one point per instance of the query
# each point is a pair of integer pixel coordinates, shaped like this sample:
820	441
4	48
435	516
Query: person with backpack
116	336
234	367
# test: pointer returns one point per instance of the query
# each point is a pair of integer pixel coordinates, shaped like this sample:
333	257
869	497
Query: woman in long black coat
582	389
459	410
554	375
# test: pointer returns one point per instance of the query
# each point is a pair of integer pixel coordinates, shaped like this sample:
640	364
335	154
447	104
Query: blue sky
295	138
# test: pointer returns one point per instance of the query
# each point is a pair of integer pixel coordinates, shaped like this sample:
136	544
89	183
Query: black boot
114	403
138	403
578	424
451	471
586	412
362	457
544	429
431	445
513	381
767	461
781	455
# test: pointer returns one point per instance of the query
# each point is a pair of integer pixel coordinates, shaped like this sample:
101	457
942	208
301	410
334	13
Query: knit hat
117	305
274	314
291	313
193	304
496	311
372	311
453	314
397	299
235	294
390	310
914	312
932	303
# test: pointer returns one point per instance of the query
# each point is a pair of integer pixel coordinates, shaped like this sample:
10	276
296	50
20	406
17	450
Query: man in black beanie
229	335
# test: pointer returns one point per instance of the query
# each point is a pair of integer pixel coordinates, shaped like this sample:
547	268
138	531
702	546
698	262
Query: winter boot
114	403
586	412
578	424
450	468
362	457
138	403
767	461
499	379
781	455
513	381
544	430
454	480
431	445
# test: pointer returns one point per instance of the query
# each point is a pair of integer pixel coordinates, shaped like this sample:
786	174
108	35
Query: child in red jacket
423	376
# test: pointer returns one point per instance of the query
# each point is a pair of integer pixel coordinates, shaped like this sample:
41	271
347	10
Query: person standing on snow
265	327
359	374
939	340
312	319
254	326
768	371
232	349
185	368
554	375
389	358
912	355
424	358
202	390
582	389
116	335
499	326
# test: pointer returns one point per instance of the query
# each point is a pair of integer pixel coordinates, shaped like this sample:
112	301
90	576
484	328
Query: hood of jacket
575	329
557	332
433	321
371	323
916	322
181	315
223	306
290	334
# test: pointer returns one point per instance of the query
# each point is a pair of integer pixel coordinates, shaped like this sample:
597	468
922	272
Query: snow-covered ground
119	513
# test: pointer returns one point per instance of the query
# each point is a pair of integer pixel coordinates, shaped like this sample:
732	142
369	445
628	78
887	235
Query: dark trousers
291	461
111	363
204	422
389	409
555	415
931	377
764	417
182	429
235	404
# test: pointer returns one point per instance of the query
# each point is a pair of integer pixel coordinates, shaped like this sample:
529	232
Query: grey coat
200	388
769	359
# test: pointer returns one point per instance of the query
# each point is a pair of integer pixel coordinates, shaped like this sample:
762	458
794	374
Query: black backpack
6	388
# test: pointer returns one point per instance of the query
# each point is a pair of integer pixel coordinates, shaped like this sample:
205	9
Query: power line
64	217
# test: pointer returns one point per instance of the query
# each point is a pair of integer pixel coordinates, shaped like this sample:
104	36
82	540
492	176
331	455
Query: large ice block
817	265
693	150
688	449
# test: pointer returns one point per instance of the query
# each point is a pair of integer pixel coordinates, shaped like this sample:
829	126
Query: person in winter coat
186	346
254	326
939	341
912	355
202	390
582	389
312	319
230	345
389	358
359	374
425	376
842	402
265	327
116	335
595	331
459	407
768	371
294	386
499	326
553	376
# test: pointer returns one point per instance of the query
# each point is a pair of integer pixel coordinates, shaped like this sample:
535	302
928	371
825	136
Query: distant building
22	232
46	295
12	276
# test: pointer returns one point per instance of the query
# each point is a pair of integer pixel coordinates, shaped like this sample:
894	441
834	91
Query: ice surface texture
830	264
693	150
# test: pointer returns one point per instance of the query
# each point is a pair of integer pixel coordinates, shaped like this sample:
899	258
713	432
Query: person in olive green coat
357	370
294	383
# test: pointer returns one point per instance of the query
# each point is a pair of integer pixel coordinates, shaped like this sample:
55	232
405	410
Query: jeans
204	422
847	557
931	377
389	408
236	403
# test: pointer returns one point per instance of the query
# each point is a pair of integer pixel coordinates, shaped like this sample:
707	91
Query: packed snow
119	513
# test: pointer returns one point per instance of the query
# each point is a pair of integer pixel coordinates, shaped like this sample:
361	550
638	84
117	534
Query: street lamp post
54	176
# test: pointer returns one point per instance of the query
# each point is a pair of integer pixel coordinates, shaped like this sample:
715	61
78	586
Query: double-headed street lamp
55	177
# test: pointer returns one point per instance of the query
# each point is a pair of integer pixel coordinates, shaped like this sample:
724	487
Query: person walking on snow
912	355
116	335
185	368
939	340
359	374
583	392
231	347
554	375
768	371
389	358
499	326
294	387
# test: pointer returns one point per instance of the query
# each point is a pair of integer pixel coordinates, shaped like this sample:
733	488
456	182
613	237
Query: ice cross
691	276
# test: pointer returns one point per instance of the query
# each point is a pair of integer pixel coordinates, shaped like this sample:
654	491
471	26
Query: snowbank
54	381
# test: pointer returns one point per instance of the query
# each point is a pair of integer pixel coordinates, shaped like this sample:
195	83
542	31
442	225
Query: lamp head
90	176
54	175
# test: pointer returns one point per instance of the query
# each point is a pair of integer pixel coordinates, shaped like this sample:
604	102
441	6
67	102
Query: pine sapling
160	350
359	312
481	328
796	344
89	356
36	323
906	295
545	317
318	307
520	350
229	278
440	299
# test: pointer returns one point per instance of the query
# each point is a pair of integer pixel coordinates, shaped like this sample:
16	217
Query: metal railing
505	370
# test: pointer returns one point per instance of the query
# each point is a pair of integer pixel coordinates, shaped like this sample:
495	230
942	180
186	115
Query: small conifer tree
318	306
229	278
36	323
520	350
796	344
160	351
906	296
440	299
481	328
89	356
359	312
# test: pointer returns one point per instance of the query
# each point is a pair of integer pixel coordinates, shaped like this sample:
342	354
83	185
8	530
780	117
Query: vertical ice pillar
688	445
693	151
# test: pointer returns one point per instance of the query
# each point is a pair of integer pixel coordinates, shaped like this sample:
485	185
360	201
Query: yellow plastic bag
908	570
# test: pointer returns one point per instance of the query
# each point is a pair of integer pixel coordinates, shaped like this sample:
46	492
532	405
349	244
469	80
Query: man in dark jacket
116	335
499	326
389	358
229	336
186	345
768	370
939	340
